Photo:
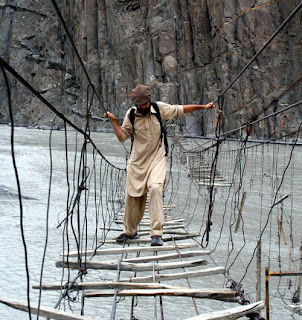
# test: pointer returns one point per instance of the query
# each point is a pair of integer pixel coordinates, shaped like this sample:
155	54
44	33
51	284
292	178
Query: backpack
163	132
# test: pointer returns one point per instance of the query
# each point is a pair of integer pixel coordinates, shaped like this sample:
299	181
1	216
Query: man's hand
195	107
116	127
210	105
110	116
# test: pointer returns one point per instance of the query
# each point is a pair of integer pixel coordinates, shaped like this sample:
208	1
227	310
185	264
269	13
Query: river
32	154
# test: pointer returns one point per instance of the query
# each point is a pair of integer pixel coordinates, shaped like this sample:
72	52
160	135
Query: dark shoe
156	241
123	237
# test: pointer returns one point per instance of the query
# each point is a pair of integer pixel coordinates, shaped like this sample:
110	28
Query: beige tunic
148	151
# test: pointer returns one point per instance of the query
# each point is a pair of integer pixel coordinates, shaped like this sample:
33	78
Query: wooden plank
284	273
147	218
171	231
233	313
166	223
165	238
126	266
44	311
176	276
217	294
134	249
168	227
180	226
215	184
295	308
105	285
169	256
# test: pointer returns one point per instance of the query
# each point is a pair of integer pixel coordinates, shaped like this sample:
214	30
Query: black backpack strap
163	132
132	118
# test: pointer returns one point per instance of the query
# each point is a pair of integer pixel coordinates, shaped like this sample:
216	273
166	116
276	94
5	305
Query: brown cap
140	94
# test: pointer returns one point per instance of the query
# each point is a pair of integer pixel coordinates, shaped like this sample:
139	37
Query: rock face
188	51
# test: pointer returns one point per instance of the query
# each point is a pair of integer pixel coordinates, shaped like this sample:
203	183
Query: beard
144	112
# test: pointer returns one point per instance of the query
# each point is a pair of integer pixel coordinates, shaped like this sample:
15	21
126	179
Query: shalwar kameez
146	170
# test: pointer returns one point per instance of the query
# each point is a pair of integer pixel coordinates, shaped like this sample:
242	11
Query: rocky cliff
189	51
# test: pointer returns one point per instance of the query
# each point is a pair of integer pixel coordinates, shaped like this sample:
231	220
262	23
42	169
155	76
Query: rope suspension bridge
229	173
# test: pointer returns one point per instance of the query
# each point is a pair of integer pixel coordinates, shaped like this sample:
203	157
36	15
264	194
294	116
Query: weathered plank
295	308
44	311
215	184
105	285
232	313
180	226
217	294
171	231
168	227
134	249
285	273
166	223
169	256
126	266
175	276
165	238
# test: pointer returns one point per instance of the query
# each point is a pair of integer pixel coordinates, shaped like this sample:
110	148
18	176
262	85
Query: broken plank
232	313
295	308
105	285
126	266
50	313
176	276
165	238
135	249
217	294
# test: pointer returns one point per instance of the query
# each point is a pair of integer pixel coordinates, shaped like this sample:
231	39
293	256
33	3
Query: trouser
135	208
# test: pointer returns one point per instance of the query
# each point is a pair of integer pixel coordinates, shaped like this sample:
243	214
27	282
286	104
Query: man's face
144	108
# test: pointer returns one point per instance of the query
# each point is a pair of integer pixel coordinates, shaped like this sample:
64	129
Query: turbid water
32	154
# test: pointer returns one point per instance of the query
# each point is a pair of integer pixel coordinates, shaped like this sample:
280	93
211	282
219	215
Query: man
146	170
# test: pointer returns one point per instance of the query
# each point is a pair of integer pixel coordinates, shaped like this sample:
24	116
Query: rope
18	187
76	51
292	14
51	107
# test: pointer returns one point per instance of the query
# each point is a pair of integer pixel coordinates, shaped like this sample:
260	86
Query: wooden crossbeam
284	273
171	231
134	249
167	227
217	294
169	222
147	217
165	238
295	308
179	226
44	311
105	285
233	313
126	266
176	276
215	184
206	179
169	256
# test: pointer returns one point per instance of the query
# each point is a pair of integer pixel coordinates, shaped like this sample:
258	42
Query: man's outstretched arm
195	107
116	126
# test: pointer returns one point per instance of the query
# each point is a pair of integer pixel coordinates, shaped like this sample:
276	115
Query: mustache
144	111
